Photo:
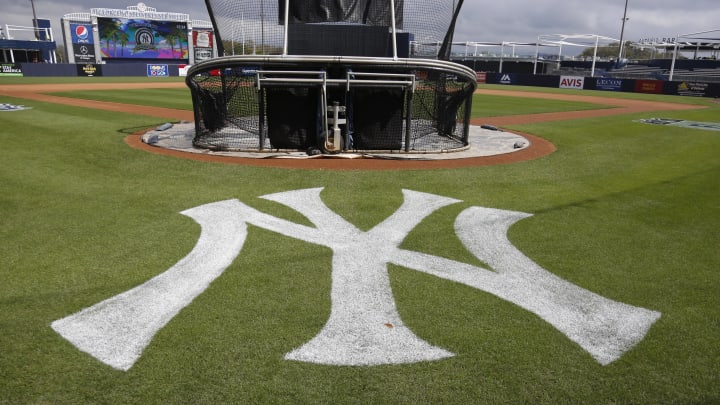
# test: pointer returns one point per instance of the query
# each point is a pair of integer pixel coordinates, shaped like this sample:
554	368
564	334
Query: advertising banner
158	71
89	70
202	45
202	54
84	53
693	89
608	84
203	39
81	33
124	38
572	82
520	79
9	69
506	78
82	42
649	86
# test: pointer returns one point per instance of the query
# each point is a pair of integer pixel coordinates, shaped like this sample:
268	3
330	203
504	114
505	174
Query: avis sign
364	326
572	82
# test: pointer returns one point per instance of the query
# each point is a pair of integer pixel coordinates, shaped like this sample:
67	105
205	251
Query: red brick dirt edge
538	146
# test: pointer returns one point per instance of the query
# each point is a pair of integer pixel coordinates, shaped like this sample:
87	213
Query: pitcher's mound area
487	146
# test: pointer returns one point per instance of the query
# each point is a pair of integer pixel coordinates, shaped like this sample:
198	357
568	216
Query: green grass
627	210
169	98
495	106
486	106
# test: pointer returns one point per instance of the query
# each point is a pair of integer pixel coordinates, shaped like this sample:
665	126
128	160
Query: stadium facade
20	44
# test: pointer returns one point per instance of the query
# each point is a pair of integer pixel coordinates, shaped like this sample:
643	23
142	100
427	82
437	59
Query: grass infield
624	209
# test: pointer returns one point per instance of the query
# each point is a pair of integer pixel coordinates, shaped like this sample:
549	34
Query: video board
126	38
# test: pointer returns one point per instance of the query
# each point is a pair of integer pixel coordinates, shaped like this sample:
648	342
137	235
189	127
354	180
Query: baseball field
583	272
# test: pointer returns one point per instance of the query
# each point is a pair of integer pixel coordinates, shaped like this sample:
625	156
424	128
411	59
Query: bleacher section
636	72
651	72
574	71
697	75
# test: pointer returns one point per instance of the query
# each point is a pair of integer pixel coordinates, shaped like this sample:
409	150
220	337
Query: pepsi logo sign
81	31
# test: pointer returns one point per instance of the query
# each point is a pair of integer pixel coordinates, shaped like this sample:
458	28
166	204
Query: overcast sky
480	20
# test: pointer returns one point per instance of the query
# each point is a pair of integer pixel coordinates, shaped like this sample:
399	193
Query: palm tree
124	38
181	37
170	38
109	33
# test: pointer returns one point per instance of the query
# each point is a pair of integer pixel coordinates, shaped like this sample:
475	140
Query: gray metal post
674	58
394	33
597	41
408	119
287	18
622	33
35	24
261	115
537	55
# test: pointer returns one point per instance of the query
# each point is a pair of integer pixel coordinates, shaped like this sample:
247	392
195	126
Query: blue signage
608	84
81	33
158	71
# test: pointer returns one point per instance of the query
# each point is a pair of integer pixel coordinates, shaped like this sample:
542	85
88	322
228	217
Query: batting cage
332	76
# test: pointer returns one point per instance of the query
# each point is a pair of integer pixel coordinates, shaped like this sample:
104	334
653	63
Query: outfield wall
676	88
90	70
679	88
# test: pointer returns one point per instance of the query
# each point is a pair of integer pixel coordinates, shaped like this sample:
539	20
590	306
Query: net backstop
332	75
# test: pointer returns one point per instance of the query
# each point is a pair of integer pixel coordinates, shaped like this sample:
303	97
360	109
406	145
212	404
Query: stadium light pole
262	27
35	24
622	33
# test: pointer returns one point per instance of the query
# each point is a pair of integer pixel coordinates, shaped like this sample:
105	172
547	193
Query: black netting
257	27
441	109
292	116
337	81
226	111
232	111
377	116
366	12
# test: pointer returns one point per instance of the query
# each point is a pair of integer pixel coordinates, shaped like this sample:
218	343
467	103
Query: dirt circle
538	146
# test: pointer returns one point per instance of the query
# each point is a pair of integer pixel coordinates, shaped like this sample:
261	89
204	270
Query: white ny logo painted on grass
117	330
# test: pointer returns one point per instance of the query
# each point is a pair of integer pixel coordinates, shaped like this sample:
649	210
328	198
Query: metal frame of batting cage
311	72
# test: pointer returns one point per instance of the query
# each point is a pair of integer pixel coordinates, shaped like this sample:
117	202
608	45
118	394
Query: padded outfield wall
96	70
678	88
